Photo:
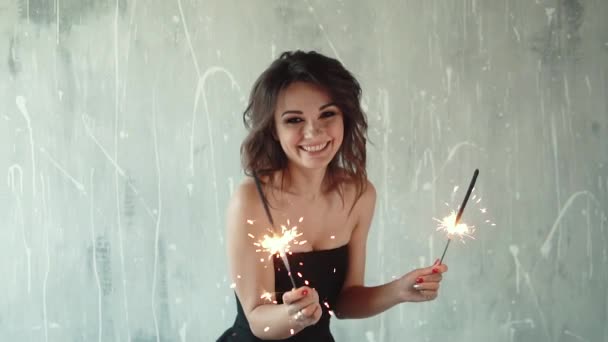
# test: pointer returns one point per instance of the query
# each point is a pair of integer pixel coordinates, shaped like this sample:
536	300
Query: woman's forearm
272	322
362	302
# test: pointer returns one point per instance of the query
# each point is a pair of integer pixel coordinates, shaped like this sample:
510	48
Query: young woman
305	155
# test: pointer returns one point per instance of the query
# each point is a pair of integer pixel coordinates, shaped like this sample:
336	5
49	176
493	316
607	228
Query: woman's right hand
303	306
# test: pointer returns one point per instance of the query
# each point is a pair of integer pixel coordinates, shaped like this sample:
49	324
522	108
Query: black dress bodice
325	271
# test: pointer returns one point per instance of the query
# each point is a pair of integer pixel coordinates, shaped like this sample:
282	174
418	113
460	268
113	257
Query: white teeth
315	148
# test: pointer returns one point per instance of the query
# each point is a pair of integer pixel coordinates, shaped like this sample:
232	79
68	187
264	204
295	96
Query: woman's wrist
400	291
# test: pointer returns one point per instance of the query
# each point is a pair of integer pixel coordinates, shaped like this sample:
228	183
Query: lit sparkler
451	224
451	228
266	296
280	244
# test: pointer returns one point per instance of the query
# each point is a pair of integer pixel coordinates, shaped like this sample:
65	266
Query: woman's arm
356	300
253	273
359	301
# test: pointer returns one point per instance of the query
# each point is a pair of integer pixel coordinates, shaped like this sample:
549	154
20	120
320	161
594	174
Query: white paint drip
549	11
21	105
95	271
589	242
73	180
546	247
45	279
158	216
117	168
448	73
17	189
578	337
325	35
431	247
183	332
515	251
557	183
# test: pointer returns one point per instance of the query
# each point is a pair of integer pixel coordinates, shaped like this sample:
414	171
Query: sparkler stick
277	243
460	211
280	244
284	257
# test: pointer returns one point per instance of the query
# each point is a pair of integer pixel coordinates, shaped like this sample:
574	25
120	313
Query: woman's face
309	126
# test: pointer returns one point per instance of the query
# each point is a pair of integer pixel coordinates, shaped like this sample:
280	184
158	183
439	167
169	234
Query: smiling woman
305	153
311	135
273	106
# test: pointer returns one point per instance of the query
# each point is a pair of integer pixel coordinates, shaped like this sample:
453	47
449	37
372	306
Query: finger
311	309
439	268
315	312
429	294
293	309
296	294
435	269
316	315
300	309
308	310
426	286
309	315
437	277
302	303
319	313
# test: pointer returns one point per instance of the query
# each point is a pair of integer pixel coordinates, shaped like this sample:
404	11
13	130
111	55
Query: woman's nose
312	129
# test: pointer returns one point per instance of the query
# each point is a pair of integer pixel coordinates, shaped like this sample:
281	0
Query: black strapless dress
325	271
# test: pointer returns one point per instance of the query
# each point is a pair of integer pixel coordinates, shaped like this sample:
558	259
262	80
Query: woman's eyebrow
292	112
327	105
300	112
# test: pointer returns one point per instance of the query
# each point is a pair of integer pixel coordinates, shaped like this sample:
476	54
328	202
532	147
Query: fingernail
419	280
416	286
304	292
435	270
436	262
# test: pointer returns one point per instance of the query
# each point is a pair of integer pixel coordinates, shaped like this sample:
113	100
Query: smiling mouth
315	148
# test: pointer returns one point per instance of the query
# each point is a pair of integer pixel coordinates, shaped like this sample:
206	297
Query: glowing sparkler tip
279	244
448	225
266	296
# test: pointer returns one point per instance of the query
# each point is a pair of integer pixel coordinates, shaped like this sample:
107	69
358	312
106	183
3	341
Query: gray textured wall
120	124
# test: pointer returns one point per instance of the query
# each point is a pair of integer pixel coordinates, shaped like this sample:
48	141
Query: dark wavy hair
261	154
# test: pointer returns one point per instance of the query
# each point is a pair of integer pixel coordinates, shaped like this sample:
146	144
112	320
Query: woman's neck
306	183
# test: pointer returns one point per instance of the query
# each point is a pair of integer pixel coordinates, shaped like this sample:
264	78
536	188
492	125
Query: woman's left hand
422	284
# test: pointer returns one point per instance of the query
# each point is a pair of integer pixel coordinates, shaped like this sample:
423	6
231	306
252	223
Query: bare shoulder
367	202
246	220
242	199
370	190
359	203
244	206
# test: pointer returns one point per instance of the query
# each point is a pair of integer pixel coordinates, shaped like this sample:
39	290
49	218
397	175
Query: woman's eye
293	120
328	114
